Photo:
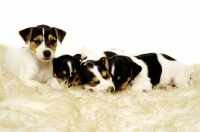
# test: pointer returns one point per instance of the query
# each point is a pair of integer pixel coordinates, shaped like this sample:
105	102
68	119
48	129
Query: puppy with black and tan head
145	71
94	71
34	62
123	70
65	67
94	76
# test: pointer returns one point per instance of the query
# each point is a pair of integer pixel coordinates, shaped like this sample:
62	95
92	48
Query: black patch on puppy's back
168	57
154	67
109	54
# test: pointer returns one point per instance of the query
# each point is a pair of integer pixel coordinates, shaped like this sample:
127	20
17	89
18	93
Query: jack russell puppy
65	67
94	72
147	70
33	63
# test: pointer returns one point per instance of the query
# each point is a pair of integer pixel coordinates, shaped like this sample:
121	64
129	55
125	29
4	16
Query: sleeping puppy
65	67
94	70
146	70
94	76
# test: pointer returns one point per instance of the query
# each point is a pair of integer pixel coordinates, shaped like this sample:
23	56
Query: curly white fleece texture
26	109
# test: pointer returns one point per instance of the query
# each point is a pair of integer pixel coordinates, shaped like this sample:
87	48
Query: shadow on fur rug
26	109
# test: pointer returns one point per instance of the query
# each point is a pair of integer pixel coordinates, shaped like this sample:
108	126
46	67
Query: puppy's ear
105	62
60	34
75	80
77	56
135	68
85	52
26	34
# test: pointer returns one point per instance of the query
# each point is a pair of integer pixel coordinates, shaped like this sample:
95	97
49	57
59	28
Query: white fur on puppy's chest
42	72
22	62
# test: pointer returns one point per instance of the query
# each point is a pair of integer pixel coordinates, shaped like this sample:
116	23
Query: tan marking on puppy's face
53	42
35	43
123	86
60	80
64	72
105	74
75	71
118	78
93	82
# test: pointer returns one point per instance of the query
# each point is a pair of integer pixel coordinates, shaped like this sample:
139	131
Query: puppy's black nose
112	89
70	85
47	53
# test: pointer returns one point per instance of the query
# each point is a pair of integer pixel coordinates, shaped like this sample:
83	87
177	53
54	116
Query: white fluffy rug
26	109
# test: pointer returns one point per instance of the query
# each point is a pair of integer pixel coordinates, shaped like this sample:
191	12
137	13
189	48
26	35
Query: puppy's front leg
53	82
31	83
144	86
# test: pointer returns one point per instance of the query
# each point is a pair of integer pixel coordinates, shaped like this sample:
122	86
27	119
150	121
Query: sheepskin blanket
27	109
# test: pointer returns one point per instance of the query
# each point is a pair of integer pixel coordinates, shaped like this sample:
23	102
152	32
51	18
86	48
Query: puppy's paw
54	84
43	89
31	83
160	86
144	86
57	86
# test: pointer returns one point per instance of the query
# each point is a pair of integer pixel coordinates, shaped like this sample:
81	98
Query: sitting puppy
146	70
65	67
94	70
33	64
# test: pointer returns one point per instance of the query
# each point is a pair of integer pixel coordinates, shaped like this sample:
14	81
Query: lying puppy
94	70
65	67
33	64
146	70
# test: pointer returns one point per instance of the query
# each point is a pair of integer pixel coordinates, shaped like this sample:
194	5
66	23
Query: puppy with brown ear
33	64
145	71
94	76
123	70
65	66
94	72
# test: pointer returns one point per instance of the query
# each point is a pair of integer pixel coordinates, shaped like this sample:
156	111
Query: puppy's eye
60	74
96	82
52	41
37	41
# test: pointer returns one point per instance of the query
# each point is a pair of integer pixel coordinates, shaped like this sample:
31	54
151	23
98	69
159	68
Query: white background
137	26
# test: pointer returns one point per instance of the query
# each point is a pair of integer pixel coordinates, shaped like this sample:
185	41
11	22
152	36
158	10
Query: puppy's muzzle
111	89
47	53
